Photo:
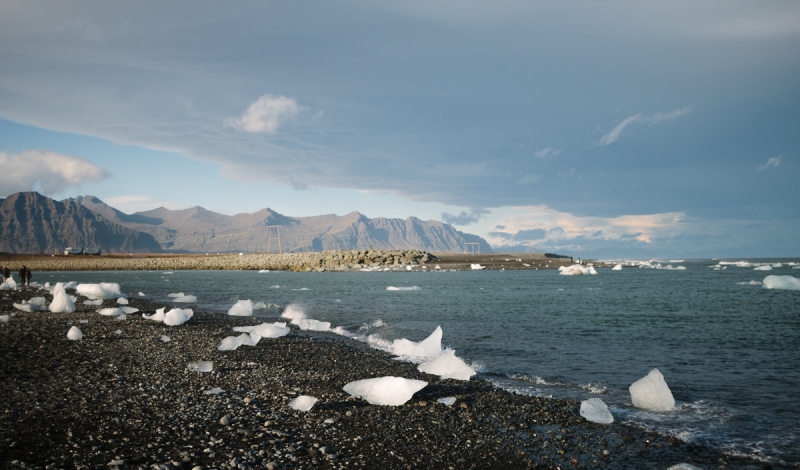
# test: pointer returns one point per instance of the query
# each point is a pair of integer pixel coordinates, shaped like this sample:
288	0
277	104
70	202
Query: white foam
266	330
596	411
178	316
242	308
781	282
74	334
447	366
447	401
103	290
576	270
259	306
185	299
751	283
201	366
618	267
429	347
387	391
762	268
302	403
294	312
404	288
652	393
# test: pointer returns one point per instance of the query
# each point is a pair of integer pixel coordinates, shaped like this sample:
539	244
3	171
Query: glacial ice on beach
74	333
575	270
266	330
652	393
158	316
618	267
10	284
388	391
165	338
596	411
762	268
242	308
93	302
214	391
477	267
429	347
404	288
103	290
34	304
313	325
781	282
303	403
4	318
122	301
231	343
178	316
62	303
447	366
111	312
201	366
447	401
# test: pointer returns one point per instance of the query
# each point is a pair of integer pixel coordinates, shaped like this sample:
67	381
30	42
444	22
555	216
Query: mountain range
31	222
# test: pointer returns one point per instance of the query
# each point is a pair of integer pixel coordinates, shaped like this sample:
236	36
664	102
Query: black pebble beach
128	400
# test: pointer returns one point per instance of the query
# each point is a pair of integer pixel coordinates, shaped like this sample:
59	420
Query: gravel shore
127	400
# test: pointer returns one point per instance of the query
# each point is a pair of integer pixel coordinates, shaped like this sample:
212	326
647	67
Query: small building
72	250
92	251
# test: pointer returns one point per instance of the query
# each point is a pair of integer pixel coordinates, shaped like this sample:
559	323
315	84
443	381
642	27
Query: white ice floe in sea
201	366
429	347
178	316
231	343
404	288
477	267
576	269
265	330
652	393
141	294
618	267
103	290
74	333
762	268
447	401
596	411
62	303
303	403
447	366
242	308
387	391
781	282
313	325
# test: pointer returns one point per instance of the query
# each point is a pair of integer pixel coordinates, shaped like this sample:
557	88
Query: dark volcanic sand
128	400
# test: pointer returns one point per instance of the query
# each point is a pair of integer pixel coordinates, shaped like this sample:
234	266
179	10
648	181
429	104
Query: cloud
45	171
139	203
773	162
266	114
653	120
464	218
532	234
547	152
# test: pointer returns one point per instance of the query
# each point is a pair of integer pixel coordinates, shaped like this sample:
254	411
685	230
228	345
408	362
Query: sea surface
729	349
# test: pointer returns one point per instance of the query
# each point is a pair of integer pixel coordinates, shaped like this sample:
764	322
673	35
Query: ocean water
729	350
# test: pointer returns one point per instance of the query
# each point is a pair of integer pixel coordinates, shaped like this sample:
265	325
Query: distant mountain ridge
199	230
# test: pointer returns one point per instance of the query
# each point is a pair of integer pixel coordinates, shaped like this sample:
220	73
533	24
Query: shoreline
129	401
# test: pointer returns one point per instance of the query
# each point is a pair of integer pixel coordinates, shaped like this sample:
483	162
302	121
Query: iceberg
177	316
575	270
61	303
387	391
74	333
617	268
447	366
201	366
266	330
762	268
242	308
652	393
231	343
477	267
103	290
781	282
429	347
313	325
596	411
302	403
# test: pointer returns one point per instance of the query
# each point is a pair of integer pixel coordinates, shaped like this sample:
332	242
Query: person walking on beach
6	273
22	275
26	278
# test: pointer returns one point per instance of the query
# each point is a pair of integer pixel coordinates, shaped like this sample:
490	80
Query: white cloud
139	203
547	152
773	162
266	114
653	120
612	136
45	171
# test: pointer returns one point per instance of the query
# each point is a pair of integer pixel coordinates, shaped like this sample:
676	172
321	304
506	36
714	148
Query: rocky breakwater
338	260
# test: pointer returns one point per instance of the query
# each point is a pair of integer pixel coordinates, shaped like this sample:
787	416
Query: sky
636	129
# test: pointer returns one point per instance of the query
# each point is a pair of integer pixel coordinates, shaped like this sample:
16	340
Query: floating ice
652	393
214	391
404	288
231	343
176	294
409	268
576	269
447	401
795	267
294	312
158	316
4	318
93	302
141	294
596	411
447	366
781	282
777	265
389	391
104	290
74	334
177	316
165	338
751	283
185	299
617	268
302	403
762	268
242	308
313	325
477	267
201	366
429	347
61	303
263	271
122	301
266	330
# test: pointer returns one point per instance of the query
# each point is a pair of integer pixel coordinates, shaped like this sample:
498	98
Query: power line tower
472	248
274	229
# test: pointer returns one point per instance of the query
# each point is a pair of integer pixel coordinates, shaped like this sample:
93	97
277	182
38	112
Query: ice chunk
178	316
429	347
122	301
111	312
165	338
117	332
652	393
128	310
259	306
404	288
266	330
477	267
302	403
263	271
617	268
242	308
176	294
447	366
762	268
781	282
185	299
447	401
231	343
409	268
35	304
61	303
10	284
389	391
596	411
294	312
314	325
141	294
575	270
4	318
121	318
201	366
93	302
158	316
103	290
214	391
74	333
